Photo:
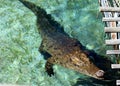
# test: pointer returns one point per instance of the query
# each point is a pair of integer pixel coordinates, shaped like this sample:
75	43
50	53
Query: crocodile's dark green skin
61	48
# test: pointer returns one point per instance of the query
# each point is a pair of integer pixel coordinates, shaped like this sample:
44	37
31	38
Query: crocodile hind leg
49	63
49	66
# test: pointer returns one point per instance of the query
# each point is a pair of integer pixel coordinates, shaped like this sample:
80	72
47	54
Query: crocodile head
80	62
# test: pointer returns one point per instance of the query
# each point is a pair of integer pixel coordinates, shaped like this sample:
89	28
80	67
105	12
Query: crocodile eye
84	58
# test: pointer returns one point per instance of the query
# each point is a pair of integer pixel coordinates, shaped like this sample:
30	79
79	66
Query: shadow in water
94	82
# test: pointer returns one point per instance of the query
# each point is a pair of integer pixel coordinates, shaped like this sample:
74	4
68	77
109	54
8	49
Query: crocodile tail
41	15
34	8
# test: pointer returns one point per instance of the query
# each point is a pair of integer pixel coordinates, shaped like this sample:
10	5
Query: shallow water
20	61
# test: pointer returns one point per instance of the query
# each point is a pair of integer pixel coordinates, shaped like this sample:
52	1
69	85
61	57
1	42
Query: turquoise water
20	61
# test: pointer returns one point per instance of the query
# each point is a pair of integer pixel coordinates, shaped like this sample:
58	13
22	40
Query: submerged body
61	48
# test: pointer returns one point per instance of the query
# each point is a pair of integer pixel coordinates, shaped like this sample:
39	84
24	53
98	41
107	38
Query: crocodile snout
100	74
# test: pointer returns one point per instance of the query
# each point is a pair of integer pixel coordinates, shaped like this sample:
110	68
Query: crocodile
61	48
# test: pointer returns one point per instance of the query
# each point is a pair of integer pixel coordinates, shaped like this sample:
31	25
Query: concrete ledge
115	66
117	82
